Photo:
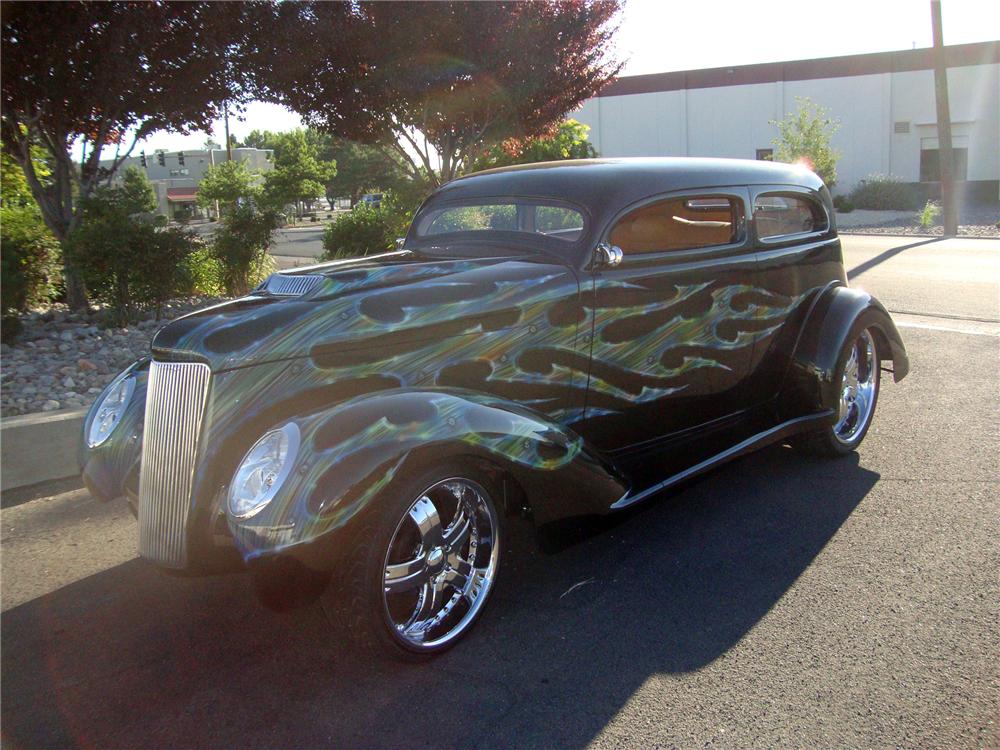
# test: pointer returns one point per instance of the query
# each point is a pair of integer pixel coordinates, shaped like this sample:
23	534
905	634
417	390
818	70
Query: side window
779	215
678	224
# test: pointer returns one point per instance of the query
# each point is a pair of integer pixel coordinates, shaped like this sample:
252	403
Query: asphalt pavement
777	602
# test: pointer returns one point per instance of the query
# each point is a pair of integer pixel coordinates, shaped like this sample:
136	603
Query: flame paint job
525	359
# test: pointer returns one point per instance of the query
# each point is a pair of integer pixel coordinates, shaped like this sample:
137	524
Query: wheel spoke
458	575
471	591
425	610
425	516
457	534
406	576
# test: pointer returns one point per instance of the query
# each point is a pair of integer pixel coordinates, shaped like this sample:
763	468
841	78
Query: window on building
765	154
779	215
679	224
930	164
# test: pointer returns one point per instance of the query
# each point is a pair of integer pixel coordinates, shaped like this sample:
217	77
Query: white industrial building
884	101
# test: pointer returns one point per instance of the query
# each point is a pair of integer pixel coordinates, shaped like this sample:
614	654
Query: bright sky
656	36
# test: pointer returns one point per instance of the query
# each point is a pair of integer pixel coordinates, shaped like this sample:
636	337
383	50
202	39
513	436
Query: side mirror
607	256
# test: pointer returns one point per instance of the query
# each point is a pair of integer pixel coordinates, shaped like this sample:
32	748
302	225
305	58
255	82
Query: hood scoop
289	285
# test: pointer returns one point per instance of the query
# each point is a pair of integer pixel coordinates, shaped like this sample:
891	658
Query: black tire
843	437
355	601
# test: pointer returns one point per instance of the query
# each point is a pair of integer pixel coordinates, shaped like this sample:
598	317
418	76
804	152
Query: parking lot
779	601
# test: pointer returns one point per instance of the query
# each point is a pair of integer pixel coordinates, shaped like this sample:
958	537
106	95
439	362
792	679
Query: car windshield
492	220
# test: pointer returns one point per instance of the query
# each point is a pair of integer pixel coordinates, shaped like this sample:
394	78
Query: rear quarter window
678	224
783	215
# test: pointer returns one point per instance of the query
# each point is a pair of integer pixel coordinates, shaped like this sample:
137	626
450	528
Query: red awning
182	194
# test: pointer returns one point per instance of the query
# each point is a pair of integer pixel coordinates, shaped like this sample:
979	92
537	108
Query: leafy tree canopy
102	76
435	83
567	141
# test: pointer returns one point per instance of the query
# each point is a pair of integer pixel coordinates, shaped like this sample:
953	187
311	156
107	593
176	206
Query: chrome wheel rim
441	564
857	390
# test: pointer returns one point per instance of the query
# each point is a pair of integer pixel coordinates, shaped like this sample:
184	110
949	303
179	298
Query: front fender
838	314
351	452
105	468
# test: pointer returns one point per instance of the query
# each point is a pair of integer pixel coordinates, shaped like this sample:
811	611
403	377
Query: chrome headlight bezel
121	389
278	448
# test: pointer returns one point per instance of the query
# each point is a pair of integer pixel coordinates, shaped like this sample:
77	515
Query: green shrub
930	214
240	246
843	204
366	230
883	193
362	231
202	273
126	261
30	265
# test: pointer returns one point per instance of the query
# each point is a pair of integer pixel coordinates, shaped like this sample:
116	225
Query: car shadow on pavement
133	657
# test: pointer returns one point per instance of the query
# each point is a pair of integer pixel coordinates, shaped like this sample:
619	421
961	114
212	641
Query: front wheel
859	376
424	569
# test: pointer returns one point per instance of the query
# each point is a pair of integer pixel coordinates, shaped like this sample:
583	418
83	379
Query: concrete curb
39	447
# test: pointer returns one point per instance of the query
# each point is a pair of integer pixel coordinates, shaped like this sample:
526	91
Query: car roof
611	184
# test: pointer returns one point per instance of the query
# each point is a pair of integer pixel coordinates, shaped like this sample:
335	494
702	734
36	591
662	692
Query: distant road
298	246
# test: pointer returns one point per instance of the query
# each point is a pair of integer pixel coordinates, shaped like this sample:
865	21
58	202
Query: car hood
388	301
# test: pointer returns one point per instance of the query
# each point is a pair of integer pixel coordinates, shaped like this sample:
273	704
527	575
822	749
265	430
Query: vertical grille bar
175	404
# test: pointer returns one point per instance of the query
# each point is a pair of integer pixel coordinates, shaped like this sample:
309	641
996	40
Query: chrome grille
290	285
175	404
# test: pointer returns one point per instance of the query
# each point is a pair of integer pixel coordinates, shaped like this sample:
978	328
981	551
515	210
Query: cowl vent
289	285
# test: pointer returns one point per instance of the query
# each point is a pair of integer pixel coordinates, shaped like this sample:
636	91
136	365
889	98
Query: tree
435	83
105	75
125	260
228	183
298	174
137	194
804	136
568	141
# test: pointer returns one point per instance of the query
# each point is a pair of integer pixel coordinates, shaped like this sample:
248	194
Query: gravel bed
973	222
62	360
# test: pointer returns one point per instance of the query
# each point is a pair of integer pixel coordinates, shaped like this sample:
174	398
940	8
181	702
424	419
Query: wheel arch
839	313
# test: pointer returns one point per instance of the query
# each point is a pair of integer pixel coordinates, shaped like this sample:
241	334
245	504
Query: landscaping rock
63	360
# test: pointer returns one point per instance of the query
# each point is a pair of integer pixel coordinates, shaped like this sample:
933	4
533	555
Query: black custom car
555	340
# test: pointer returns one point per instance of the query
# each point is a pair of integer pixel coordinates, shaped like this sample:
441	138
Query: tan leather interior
672	225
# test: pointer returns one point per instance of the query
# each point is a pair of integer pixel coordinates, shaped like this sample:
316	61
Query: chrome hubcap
441	563
857	392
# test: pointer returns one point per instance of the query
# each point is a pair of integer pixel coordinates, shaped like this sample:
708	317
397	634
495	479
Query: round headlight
262	471
110	408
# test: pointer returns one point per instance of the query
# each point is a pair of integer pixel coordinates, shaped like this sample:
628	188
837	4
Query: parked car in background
370	200
551	340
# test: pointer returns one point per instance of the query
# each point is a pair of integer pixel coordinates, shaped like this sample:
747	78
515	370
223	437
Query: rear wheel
859	376
425	564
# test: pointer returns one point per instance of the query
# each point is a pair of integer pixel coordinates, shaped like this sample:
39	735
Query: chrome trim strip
176	393
752	443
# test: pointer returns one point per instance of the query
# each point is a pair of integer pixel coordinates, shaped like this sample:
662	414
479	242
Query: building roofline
957	55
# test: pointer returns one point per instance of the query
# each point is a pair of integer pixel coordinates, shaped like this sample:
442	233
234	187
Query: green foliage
363	169
804	137
930	214
240	247
203	273
125	260
228	183
843	204
137	194
29	264
363	231
883	193
569	141
299	175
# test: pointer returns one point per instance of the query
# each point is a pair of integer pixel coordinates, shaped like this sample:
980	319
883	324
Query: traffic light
142	158
161	158
180	158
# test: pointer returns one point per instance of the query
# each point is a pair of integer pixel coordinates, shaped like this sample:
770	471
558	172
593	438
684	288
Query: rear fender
353	451
837	316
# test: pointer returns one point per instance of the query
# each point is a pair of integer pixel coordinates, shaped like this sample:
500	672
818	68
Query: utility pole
945	162
229	143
